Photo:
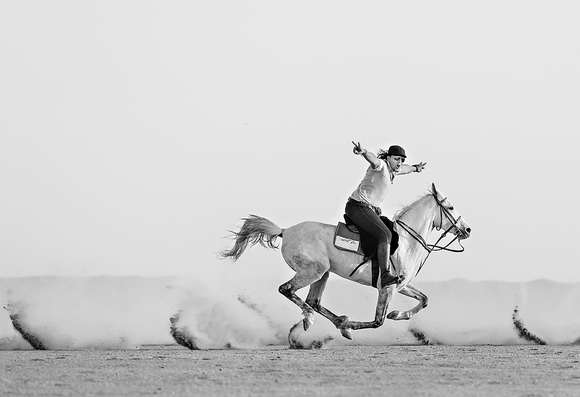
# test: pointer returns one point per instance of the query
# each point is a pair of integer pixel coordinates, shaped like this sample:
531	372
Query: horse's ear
434	189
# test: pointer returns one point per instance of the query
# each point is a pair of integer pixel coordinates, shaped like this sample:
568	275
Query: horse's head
447	218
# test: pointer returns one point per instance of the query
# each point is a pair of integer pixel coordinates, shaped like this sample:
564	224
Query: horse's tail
255	229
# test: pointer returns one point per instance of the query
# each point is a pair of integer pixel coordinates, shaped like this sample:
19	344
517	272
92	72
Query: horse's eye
451	208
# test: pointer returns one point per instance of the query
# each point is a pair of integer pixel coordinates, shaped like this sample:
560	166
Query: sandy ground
528	370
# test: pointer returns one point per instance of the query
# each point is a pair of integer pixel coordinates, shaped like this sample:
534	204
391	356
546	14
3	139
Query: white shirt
375	185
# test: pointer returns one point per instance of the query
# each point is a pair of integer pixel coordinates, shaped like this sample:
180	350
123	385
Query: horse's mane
408	207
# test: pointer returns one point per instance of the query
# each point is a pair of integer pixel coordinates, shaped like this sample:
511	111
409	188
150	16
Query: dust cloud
111	312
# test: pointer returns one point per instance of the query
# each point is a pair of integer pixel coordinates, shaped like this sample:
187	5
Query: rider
362	206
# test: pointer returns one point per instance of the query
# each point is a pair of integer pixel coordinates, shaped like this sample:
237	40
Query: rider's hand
420	166
357	149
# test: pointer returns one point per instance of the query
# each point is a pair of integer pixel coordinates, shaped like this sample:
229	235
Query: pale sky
134	134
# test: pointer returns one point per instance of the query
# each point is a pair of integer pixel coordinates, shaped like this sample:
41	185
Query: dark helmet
396	150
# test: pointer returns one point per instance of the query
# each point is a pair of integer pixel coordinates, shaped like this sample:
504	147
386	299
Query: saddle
348	237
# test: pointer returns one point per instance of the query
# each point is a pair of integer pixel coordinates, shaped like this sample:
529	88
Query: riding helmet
396	150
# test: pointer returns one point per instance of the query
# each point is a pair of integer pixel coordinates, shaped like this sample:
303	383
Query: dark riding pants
368	220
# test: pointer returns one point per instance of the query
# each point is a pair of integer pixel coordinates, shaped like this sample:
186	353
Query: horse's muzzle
463	233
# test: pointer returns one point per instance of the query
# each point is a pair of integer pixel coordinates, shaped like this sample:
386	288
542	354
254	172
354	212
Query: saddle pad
347	240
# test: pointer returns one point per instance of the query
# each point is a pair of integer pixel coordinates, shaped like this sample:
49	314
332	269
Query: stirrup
388	279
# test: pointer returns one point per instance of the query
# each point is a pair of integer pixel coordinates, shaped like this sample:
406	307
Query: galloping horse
308	248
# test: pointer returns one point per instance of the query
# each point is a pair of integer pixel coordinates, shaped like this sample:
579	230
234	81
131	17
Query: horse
308	249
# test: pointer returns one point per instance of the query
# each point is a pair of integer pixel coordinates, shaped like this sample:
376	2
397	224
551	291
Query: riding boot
384	253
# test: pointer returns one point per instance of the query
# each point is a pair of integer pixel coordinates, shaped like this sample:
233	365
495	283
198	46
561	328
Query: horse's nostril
468	230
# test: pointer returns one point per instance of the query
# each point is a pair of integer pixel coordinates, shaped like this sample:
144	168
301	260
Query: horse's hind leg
314	299
412	292
305	275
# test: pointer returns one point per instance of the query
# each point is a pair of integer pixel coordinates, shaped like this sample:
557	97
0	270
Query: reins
435	247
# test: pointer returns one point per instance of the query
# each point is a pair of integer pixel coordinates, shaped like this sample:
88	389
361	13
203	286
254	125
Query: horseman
362	206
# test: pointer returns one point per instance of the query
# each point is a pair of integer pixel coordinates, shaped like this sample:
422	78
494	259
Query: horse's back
308	232
312	243
308	238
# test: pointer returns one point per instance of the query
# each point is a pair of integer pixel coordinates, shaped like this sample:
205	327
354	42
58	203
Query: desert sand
416	370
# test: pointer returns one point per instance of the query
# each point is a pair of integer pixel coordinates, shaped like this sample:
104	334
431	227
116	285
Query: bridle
435	247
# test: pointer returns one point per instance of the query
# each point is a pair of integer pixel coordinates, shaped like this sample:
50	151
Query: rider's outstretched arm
407	169
368	156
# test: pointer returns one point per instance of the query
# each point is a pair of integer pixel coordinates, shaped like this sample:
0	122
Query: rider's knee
386	237
425	302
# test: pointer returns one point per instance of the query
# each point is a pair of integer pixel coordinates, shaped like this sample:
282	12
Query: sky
135	134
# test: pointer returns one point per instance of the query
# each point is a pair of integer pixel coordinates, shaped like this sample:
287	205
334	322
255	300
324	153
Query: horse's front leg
412	292
385	297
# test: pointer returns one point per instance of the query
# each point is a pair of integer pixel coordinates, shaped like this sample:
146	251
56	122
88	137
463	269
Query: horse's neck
419	216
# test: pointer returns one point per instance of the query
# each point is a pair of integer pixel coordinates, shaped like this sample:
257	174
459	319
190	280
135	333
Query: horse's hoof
347	333
341	323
